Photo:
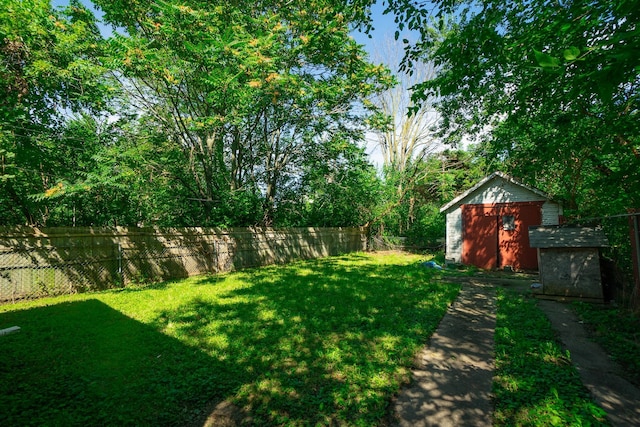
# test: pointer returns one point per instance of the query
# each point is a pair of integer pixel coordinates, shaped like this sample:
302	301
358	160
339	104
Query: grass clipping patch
316	342
535	382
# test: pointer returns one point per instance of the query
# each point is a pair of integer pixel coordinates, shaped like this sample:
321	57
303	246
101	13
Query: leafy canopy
49	71
552	85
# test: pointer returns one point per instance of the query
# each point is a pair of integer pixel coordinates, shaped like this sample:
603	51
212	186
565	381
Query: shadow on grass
84	363
325	341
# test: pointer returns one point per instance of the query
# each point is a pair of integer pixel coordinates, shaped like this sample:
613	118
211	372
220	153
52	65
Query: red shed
487	225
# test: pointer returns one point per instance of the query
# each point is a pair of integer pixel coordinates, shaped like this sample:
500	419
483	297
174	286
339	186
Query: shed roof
495	175
566	237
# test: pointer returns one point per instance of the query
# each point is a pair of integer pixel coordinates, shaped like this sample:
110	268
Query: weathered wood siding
501	191
453	238
551	213
37	262
571	273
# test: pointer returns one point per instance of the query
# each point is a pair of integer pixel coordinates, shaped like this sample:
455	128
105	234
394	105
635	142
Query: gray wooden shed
569	261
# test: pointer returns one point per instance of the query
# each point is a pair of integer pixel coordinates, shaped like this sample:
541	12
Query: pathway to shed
604	378
452	376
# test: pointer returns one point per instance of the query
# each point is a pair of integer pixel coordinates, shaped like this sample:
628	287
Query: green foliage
196	113
617	331
317	342
416	194
552	86
248	93
428	229
338	188
49	70
535	383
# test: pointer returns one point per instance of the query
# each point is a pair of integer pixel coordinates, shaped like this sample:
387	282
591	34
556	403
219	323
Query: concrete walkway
619	398
452	377
453	374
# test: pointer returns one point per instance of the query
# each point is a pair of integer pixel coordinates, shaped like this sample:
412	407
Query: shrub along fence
623	233
50	261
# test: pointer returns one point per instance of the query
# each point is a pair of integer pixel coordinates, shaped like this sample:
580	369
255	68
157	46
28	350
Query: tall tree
48	72
555	82
243	90
406	129
405	135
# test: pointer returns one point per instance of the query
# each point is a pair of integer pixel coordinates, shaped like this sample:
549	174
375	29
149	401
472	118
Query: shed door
496	235
480	236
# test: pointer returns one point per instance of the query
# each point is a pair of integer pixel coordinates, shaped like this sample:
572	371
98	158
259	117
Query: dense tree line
199	113
244	113
190	113
550	88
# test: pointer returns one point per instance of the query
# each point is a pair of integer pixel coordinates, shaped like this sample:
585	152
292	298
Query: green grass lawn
535	383
618	332
316	342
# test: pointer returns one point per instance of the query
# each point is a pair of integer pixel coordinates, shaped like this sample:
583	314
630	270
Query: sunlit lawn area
316	342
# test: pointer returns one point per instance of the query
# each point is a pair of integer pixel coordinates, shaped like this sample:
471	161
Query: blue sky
105	30
383	24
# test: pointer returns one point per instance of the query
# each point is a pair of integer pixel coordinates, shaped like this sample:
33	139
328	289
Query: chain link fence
36	263
37	271
387	243
394	243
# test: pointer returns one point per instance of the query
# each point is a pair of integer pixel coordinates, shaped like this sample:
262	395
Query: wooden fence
50	261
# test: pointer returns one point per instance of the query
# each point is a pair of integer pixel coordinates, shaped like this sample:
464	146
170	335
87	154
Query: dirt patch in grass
223	414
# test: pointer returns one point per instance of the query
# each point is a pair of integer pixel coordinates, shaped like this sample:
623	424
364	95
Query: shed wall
454	236
571	272
497	190
551	213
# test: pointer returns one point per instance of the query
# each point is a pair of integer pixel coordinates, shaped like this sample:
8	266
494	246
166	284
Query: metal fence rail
36	263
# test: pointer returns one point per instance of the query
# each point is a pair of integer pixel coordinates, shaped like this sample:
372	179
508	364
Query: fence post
120	272
215	251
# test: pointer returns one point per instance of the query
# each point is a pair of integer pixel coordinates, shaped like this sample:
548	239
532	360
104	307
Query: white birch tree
408	133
